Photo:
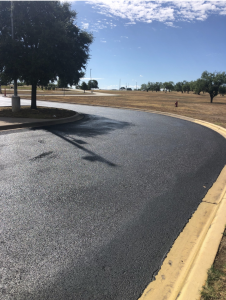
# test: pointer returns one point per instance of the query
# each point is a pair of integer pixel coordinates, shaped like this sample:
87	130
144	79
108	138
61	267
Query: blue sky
139	41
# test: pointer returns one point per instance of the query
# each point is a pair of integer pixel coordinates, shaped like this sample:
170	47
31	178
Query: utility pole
119	83
136	85
15	98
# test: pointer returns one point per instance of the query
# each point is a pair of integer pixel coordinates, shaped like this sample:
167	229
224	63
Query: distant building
129	89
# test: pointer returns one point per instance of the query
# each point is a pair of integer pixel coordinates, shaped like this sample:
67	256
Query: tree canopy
47	44
212	83
84	86
179	87
144	87
168	86
186	86
222	89
92	84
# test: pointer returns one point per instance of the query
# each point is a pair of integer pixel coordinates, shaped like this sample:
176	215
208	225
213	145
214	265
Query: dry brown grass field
191	105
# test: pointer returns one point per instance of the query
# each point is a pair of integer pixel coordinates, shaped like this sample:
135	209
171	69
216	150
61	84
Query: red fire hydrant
176	104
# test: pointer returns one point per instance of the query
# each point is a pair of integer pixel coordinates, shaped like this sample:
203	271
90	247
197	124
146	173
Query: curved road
90	209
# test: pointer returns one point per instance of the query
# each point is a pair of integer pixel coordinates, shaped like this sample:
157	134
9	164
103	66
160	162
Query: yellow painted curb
205	258
184	271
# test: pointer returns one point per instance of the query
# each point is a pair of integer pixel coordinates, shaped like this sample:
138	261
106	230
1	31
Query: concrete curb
184	270
74	118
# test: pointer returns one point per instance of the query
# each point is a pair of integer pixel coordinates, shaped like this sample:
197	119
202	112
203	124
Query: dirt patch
39	113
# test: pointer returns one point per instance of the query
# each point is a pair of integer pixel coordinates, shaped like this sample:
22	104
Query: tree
186	86
4	80
222	90
150	86
92	84
61	83
21	83
212	83
199	86
192	85
179	87
168	86
84	86
157	86
47	44
144	87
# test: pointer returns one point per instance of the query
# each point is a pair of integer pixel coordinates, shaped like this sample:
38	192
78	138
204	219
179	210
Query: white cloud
223	12
97	26
100	25
102	40
168	12
131	23
85	25
171	24
141	75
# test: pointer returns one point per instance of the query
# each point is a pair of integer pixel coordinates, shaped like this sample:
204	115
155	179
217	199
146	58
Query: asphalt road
90	209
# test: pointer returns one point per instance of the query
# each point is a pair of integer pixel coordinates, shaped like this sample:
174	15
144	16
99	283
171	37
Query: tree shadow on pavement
89	126
92	155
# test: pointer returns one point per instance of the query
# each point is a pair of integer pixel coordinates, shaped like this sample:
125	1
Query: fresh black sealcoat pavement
90	209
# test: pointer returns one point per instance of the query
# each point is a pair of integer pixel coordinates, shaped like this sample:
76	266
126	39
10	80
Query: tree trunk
15	87
33	96
211	98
